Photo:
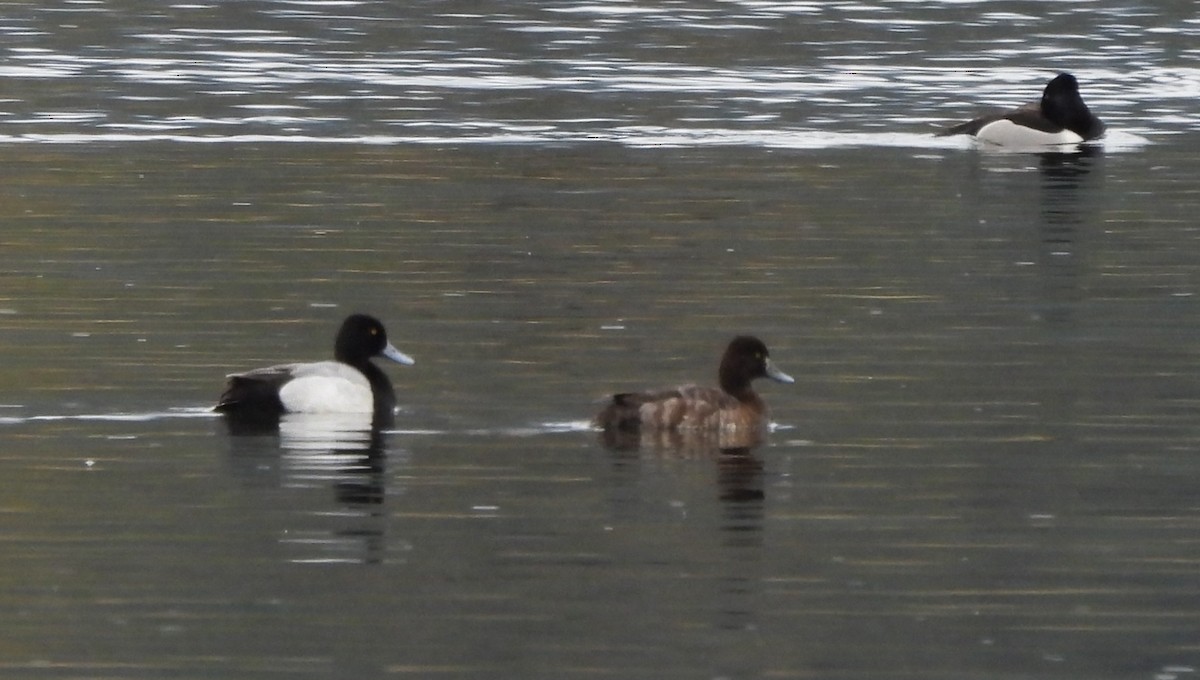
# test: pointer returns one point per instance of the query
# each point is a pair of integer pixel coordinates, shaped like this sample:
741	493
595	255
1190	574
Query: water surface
984	469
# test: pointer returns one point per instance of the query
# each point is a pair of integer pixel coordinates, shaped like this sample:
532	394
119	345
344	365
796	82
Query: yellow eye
374	331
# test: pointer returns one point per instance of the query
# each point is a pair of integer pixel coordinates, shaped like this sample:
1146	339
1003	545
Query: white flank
1008	133
327	387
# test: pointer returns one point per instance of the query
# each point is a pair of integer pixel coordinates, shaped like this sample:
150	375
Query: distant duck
732	407
1059	118
349	384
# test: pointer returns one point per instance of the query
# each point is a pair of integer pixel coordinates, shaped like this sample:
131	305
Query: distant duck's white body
1059	118
1005	132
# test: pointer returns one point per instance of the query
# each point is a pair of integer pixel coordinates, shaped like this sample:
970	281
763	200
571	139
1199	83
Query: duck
1059	117
732	407
350	384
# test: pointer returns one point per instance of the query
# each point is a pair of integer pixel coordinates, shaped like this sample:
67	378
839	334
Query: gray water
986	467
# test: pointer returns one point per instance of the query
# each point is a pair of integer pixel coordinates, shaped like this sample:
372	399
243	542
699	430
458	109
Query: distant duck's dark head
746	359
363	337
1062	104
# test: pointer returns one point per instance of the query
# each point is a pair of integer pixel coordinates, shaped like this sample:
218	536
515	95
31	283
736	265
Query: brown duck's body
732	407
690	407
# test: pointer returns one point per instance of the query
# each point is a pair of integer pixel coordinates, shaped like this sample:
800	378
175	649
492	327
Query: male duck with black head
729	411
1059	118
350	384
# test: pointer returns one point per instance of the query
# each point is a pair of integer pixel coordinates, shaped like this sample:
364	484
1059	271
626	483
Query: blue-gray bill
777	375
399	357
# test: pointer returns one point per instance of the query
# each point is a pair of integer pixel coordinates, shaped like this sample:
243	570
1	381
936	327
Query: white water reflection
173	413
326	431
635	137
845	68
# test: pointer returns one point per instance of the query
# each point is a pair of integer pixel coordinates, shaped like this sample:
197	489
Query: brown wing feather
687	407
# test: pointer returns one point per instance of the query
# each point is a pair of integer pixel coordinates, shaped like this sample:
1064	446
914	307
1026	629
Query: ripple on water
175	413
779	75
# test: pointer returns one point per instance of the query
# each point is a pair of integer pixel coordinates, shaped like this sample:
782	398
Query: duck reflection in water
681	444
740	477
1071	197
309	453
346	452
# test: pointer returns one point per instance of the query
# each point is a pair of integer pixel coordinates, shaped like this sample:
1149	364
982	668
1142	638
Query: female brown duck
731	407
